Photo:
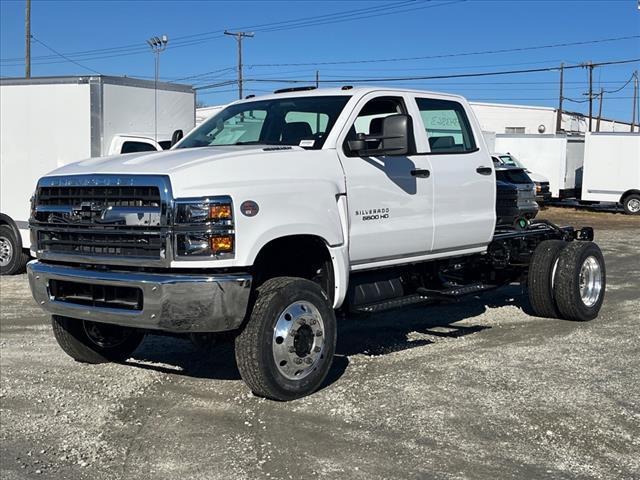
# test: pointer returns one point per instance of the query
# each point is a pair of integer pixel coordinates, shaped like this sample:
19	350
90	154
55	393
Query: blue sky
340	31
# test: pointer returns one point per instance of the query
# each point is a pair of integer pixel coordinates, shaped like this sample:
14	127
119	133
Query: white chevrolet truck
280	210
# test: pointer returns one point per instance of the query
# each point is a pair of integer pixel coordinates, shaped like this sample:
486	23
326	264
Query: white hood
536	177
164	162
220	170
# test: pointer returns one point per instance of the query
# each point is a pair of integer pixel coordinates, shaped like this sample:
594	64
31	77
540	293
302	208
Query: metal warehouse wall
496	117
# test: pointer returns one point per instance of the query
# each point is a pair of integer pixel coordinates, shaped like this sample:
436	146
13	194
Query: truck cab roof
346	90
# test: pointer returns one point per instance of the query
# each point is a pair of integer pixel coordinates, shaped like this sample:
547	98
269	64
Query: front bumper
543	197
171	302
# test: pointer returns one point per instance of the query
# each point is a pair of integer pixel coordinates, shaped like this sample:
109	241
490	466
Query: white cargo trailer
612	169
557	157
49	122
204	113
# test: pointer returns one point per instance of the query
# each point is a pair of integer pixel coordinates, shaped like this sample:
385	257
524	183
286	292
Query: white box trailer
204	113
557	157
490	140
49	122
612	169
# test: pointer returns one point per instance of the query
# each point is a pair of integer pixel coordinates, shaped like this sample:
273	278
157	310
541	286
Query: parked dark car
515	197
543	193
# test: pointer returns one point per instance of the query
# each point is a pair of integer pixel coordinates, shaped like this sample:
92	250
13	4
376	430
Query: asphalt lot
478	389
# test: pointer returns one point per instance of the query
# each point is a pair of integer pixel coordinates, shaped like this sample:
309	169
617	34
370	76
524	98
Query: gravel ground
478	389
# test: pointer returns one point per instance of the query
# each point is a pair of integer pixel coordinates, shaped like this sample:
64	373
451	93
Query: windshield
510	160
304	121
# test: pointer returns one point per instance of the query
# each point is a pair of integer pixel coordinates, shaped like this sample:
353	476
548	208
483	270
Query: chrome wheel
298	340
6	251
633	205
590	281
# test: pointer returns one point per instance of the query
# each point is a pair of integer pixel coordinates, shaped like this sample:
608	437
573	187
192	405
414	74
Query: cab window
446	125
317	121
369	120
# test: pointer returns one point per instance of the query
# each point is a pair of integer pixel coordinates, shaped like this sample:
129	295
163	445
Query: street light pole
158	45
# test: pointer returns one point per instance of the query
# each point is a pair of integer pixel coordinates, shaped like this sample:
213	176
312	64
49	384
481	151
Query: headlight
204	228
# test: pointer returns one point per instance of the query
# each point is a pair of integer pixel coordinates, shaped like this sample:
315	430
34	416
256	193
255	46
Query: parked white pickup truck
276	212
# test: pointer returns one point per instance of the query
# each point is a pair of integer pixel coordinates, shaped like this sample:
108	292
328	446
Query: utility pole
27	44
635	101
600	109
559	115
317	78
239	36
590	67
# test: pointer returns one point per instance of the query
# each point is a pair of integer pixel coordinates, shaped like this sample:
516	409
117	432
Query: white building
504	118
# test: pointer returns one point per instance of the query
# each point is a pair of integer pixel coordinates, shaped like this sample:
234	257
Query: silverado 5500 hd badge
373	214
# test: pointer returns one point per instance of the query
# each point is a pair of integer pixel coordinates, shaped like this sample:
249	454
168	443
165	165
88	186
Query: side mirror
395	138
176	137
357	146
396	134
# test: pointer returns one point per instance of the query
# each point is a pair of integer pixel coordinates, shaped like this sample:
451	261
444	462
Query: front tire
286	348
580	281
92	342
631	204
12	257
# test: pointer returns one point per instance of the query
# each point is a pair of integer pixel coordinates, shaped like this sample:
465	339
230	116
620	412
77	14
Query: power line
204	74
623	86
449	55
188	40
436	77
61	55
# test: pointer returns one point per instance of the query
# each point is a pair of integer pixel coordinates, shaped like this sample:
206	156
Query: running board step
425	296
393	303
457	291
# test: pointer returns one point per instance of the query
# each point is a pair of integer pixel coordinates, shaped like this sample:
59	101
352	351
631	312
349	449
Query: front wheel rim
633	205
298	340
6	251
590	281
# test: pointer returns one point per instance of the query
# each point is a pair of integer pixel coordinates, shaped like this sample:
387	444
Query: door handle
420	173
484	170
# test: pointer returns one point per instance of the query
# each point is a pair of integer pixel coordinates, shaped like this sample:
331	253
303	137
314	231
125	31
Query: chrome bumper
171	302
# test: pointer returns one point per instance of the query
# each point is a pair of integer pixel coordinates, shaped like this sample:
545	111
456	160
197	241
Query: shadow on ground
377	334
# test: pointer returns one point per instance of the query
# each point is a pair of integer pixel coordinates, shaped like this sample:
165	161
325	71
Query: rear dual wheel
567	280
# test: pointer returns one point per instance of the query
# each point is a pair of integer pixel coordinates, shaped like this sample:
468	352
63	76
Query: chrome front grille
109	219
101	242
106	196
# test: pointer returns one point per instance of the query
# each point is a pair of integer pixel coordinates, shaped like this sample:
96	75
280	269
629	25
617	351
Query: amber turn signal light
220	212
221	243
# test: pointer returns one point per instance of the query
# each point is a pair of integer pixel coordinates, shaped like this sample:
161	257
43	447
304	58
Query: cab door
389	198
462	173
